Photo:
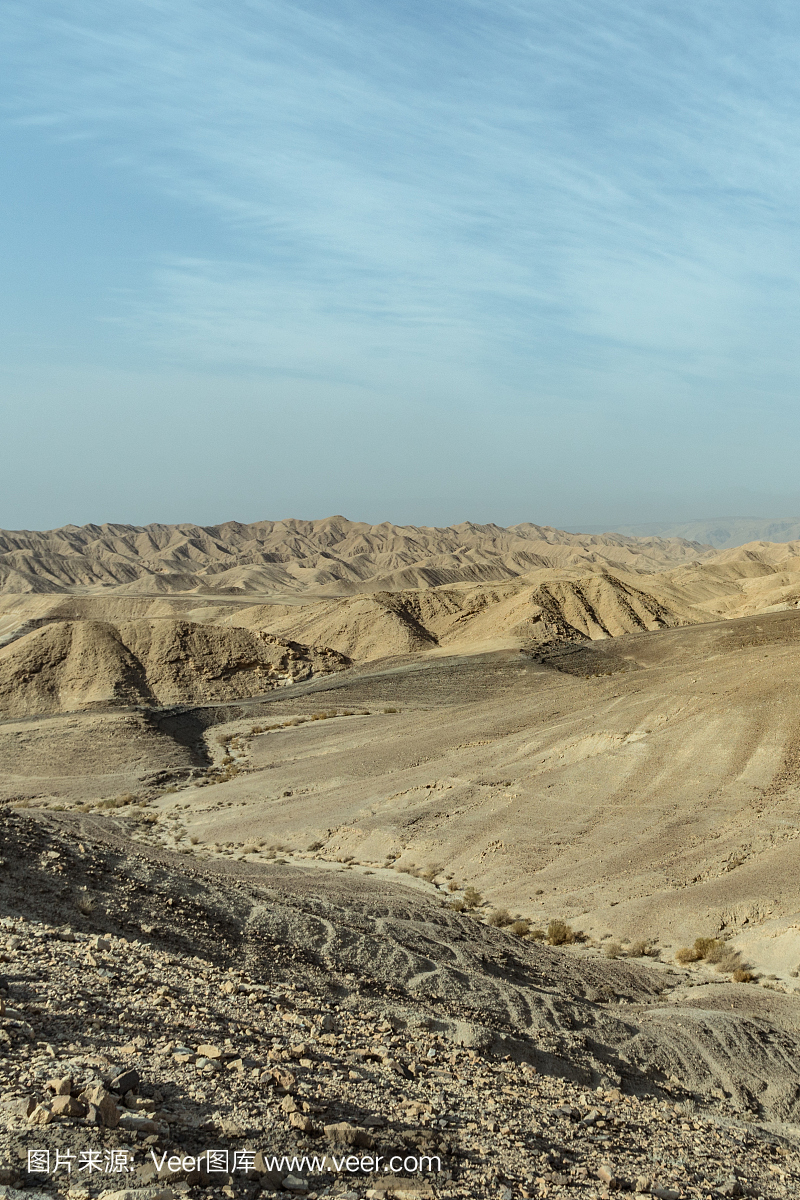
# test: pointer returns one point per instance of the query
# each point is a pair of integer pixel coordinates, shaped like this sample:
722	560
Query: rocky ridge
157	1007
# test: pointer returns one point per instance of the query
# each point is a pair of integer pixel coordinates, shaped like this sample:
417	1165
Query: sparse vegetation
519	928
613	950
472	897
717	952
560	934
499	917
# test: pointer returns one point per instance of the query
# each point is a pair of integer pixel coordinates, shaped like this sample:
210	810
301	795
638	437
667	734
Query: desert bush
472	897
538	935
685	955
457	905
560	934
638	949
740	975
711	949
499	917
612	950
194	840
85	903
315	846
731	962
257	729
452	886
519	928
390	710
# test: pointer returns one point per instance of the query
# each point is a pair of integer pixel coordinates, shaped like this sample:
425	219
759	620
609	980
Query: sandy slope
68	665
643	786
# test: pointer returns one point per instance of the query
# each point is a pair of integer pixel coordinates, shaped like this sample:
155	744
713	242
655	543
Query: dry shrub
686	955
472	897
85	903
456	905
452	886
390	710
499	917
560	934
639	949
740	975
313	847
257	729
711	949
731	962
250	849
519	928
538	935
612	950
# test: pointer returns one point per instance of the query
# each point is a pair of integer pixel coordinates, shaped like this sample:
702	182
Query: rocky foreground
177	1028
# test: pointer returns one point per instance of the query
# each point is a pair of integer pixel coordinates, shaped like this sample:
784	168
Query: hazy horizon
412	262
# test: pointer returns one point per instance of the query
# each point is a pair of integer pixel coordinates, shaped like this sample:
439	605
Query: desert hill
723	533
68	665
330	556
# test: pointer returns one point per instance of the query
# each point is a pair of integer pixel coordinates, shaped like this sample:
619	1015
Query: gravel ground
170	1010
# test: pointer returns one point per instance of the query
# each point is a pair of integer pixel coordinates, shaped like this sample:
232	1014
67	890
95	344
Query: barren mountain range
545	727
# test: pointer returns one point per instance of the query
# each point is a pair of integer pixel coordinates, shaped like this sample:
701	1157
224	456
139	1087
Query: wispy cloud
575	201
495	167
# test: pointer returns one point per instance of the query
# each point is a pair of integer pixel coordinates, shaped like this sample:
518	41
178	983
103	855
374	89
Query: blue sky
418	261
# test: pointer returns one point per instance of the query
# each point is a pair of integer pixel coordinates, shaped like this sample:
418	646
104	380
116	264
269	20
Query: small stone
300	1121
606	1175
102	1106
41	1115
344	1134
61	1087
327	1023
293	1183
127	1082
209	1052
642	1184
284	1079
68	1106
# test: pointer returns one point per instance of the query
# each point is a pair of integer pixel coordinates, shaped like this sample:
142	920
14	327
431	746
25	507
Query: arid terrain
485	787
